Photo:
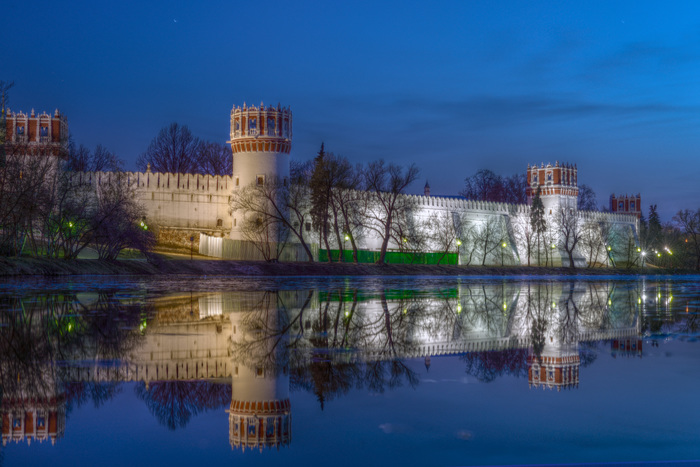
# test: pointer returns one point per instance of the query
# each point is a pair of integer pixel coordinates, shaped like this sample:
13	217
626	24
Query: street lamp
459	243
644	254
345	241
503	249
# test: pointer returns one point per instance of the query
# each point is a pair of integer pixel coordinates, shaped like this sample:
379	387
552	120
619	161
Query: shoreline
18	267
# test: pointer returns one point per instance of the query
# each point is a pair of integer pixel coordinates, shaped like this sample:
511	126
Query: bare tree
266	235
26	184
689	224
118	220
525	236
567	224
386	185
81	159
174	150
215	159
586	200
333	200
276	208
469	239
349	204
489	236
411	234
515	189
445	228
592	241
484	185
4	100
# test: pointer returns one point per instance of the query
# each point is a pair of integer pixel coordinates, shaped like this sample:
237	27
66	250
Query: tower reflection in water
189	353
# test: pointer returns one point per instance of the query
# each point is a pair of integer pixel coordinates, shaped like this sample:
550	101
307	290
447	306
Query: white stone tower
261	138
260	413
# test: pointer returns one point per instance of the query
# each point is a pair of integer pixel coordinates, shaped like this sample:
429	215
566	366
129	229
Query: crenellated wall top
466	204
599	216
166	182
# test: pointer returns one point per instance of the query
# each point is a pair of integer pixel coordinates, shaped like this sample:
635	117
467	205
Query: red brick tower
558	185
41	135
626	204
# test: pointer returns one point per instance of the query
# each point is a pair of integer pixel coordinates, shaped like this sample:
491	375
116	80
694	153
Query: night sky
451	86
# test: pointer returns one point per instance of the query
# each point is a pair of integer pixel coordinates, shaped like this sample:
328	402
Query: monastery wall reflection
248	350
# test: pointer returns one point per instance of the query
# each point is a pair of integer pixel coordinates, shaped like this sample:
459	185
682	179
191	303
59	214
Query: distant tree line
675	244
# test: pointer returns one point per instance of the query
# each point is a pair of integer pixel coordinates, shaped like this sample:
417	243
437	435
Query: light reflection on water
294	366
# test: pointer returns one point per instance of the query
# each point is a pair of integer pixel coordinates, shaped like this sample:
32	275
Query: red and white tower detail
37	135
261	139
558	185
260	415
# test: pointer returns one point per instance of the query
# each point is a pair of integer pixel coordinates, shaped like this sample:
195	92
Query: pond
348	371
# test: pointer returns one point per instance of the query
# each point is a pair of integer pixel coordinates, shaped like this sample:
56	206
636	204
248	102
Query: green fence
392	257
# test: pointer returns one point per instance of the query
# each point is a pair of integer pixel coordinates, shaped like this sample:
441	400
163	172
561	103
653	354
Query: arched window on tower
271	126
219	222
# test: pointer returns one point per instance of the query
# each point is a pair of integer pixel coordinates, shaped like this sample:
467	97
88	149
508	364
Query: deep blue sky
452	86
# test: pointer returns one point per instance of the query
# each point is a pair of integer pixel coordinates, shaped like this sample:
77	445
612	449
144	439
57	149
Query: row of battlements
157	181
505	208
472	205
262	107
607	216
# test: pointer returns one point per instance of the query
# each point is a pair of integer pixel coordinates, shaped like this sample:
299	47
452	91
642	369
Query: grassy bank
173	265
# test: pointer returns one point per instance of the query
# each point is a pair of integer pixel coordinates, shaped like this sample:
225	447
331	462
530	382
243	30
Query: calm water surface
348	371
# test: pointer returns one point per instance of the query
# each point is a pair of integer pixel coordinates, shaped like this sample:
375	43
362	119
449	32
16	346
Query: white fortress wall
508	220
177	201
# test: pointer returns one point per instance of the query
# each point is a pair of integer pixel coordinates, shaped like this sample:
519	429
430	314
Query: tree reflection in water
326	342
487	366
174	403
40	332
